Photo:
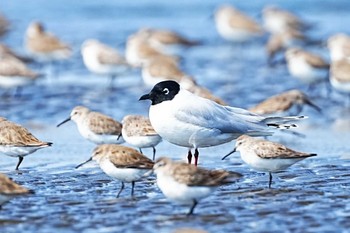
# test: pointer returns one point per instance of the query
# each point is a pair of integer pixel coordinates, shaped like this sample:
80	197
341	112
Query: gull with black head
187	120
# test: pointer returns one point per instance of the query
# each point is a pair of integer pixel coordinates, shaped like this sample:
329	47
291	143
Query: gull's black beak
66	120
83	163
145	97
234	150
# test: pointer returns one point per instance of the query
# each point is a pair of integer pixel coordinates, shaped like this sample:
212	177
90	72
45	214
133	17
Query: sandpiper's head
241	141
292	53
300	98
35	28
99	152
224	11
162	91
89	43
77	113
161	164
337	40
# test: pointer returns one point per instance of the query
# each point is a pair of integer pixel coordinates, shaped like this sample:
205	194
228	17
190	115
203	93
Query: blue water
311	196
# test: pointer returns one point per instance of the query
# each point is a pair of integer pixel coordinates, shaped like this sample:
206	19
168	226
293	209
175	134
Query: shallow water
310	196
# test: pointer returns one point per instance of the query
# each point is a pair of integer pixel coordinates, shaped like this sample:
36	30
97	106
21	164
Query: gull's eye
166	91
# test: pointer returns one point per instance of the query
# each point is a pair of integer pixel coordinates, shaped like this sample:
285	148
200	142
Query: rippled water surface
311	196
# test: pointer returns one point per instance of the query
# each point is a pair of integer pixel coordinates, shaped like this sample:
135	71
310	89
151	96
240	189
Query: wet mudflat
311	196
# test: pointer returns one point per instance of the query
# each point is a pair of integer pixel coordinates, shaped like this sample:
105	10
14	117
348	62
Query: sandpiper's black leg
154	153
132	188
111	82
189	156
192	207
121	189
270	180
140	150
20	159
196	155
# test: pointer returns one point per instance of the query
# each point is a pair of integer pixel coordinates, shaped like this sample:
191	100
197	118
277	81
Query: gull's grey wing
227	119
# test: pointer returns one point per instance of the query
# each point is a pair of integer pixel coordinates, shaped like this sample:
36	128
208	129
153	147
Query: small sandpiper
10	189
14	73
17	141
266	156
339	47
7	51
96	127
122	163
138	131
277	20
284	102
102	59
187	184
138	50
307	67
44	46
280	41
162	39
235	26
340	76
161	68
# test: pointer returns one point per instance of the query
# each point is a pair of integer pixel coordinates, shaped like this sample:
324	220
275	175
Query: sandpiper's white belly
181	193
337	53
274	25
99	138
340	86
233	34
122	174
90	58
301	70
16	151
61	54
142	141
266	165
132	55
14	81
5	198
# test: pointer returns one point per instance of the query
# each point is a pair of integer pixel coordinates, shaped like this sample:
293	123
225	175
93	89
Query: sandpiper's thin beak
90	159
66	120
234	150
145	97
308	102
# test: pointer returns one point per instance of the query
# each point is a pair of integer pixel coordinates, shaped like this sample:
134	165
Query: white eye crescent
166	91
